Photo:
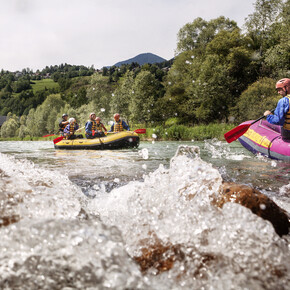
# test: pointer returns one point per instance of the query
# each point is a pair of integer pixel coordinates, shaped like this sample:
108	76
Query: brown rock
257	202
159	256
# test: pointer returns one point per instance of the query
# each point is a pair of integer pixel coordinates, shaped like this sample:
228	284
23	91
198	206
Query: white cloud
36	33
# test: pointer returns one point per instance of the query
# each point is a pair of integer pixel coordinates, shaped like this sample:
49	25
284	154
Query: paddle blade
140	131
58	139
48	135
237	132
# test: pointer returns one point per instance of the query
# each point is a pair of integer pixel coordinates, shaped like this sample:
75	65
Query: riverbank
185	133
162	133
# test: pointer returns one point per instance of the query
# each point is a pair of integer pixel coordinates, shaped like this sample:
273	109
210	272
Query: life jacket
71	129
99	127
118	127
94	125
286	124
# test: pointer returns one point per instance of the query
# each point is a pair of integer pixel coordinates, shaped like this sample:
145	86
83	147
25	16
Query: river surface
80	219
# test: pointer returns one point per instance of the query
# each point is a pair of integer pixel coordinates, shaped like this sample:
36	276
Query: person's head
117	117
98	120
283	87
92	116
71	120
64	116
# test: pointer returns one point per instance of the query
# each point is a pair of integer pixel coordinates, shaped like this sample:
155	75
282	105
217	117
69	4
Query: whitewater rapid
63	237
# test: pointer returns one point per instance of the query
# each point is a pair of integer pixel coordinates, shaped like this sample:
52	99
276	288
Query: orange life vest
118	127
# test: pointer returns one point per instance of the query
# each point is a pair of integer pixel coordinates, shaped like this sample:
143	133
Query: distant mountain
142	59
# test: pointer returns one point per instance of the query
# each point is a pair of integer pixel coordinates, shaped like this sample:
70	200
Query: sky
38	33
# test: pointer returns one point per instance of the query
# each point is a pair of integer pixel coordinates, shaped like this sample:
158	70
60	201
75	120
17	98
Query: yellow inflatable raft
120	140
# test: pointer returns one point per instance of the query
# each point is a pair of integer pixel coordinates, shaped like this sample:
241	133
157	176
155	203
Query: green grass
181	132
42	84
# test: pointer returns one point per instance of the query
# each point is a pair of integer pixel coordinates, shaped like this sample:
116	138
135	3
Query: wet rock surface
257	202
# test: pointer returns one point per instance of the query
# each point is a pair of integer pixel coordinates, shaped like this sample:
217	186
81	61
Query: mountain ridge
141	59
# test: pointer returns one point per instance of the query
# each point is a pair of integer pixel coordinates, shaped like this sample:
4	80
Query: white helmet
71	120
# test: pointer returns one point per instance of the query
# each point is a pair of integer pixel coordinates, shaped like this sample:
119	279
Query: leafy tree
123	95
196	35
257	98
145	94
21	85
37	121
277	56
10	126
105	71
258	23
64	83
100	93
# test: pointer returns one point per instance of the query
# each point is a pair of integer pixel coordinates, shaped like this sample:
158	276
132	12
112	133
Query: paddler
281	114
91	127
69	130
64	122
119	125
100	128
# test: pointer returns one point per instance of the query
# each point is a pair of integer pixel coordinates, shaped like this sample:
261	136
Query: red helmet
98	119
116	116
283	84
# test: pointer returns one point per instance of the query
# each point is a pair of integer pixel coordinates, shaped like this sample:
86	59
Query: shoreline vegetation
220	74
160	133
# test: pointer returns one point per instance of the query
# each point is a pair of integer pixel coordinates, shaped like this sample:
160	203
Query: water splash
210	246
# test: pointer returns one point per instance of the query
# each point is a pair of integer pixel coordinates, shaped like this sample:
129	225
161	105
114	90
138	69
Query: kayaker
100	128
91	127
64	122
281	114
69	130
119	125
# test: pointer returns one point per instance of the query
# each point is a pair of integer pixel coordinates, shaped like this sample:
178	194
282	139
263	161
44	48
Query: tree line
221	73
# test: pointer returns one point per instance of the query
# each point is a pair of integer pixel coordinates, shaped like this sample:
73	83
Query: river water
81	219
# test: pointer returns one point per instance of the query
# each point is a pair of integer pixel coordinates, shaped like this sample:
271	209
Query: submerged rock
257	202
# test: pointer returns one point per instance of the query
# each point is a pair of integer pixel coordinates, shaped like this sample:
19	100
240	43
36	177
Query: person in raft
119	125
69	130
91	127
100	128
64	122
281	114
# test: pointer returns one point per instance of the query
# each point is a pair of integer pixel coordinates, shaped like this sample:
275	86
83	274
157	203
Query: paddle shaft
240	130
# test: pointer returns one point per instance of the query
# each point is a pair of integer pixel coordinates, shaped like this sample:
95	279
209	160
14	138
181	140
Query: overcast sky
36	33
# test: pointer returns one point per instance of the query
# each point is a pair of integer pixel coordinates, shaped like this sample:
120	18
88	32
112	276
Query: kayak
265	138
120	140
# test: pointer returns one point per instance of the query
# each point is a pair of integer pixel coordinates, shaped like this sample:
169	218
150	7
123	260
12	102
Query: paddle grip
272	111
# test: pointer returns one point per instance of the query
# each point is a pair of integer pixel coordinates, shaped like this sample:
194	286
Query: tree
277	56
196	35
122	96
100	92
257	98
37	121
258	23
143	99
10	126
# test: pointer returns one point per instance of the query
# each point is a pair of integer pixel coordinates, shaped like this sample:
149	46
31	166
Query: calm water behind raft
132	197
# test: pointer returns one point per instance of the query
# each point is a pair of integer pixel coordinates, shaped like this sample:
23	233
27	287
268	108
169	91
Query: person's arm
125	126
76	126
89	128
278	117
112	128
104	127
67	130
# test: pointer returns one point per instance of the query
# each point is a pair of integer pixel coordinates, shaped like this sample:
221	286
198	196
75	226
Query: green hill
142	59
43	84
